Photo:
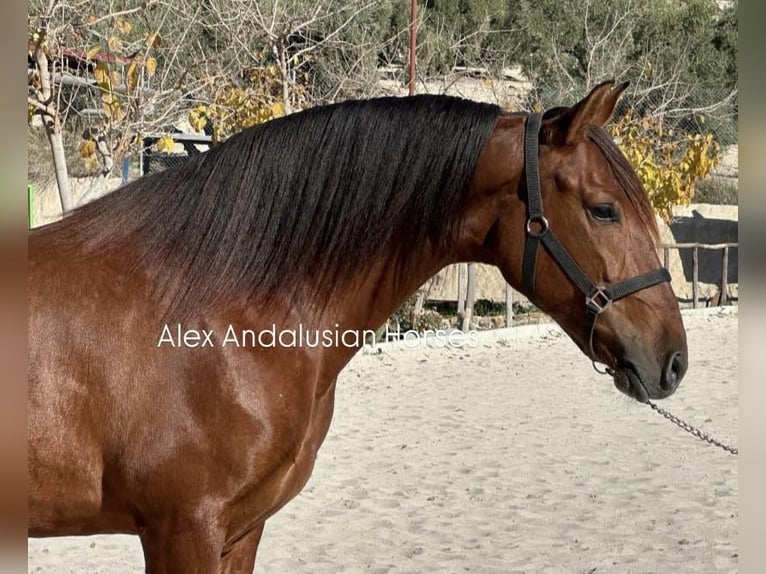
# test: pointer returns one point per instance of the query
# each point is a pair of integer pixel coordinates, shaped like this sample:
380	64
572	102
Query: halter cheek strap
598	298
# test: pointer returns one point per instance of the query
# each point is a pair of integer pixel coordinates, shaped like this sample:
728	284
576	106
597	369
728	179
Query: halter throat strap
597	297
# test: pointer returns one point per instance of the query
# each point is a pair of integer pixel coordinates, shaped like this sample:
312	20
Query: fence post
30	206
508	305
695	275
469	296
725	277
460	294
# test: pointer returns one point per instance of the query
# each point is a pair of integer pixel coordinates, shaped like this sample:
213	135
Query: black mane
301	198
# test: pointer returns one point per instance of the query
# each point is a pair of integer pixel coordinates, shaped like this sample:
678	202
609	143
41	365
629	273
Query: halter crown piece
598	298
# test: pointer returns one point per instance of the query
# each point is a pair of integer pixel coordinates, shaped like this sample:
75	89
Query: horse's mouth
626	380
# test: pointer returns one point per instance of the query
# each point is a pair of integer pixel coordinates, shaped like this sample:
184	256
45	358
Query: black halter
597	297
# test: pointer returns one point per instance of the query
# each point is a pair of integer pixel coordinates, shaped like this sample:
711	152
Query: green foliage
461	33
485	307
403	316
725	40
653	37
717	191
681	57
428	320
406	319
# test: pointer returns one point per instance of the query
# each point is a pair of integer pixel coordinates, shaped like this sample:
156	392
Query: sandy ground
510	457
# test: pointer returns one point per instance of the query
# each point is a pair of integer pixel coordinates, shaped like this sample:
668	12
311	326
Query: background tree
44	99
679	56
227	64
111	75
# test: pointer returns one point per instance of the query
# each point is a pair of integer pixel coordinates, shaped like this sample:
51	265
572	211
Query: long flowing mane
305	196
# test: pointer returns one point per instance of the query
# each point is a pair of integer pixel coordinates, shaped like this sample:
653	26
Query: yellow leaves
87	148
151	66
236	108
667	163
132	76
114	43
647	70
133	72
165	144
258	99
112	107
101	74
153	40
105	80
277	110
124	27
91	164
198	118
93	51
266	113
115	111
701	154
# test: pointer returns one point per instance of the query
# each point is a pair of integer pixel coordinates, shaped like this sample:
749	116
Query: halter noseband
597	297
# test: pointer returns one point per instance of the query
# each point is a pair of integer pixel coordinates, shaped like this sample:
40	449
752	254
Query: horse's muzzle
635	383
674	371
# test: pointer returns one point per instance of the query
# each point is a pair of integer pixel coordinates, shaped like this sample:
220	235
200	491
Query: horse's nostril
673	372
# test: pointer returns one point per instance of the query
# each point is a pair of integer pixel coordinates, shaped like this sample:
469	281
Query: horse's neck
388	289
380	288
376	294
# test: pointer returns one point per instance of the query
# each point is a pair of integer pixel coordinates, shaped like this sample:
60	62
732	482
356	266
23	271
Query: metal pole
695	275
508	305
460	293
30	206
469	297
724	277
413	44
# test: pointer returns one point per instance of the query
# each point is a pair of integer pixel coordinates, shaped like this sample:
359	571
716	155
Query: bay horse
142	421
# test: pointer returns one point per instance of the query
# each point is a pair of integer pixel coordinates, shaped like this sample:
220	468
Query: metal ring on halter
607	370
542	221
598	300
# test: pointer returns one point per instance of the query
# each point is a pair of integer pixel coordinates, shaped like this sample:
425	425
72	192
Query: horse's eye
604	212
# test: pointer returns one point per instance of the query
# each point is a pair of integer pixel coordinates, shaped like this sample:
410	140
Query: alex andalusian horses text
325	220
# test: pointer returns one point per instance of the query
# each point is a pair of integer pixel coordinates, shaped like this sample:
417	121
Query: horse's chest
307	446
296	427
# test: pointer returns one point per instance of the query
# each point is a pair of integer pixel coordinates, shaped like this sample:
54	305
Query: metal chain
693	430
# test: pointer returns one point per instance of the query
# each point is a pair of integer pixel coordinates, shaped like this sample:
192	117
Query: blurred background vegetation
118	70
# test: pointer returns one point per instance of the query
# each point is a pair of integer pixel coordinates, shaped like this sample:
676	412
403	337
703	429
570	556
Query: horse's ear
567	126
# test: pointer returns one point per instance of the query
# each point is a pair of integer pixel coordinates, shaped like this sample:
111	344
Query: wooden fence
695	247
466	280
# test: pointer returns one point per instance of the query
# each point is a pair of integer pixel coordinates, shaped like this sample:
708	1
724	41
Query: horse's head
577	235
